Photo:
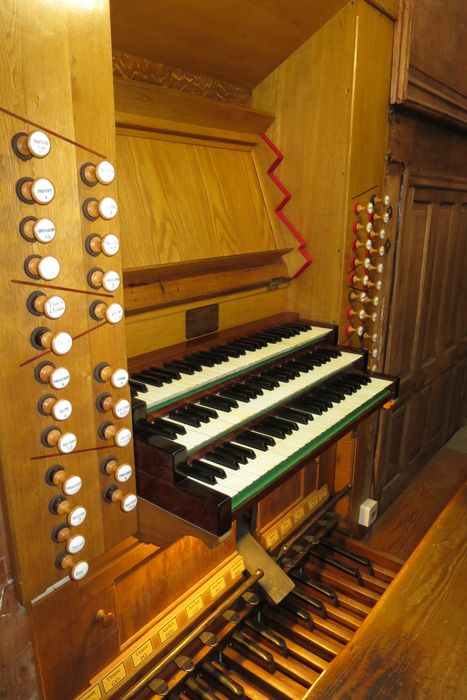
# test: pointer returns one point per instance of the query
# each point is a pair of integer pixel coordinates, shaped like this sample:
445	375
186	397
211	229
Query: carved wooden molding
131	67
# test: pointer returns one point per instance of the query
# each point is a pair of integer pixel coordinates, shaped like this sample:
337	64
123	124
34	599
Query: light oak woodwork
193	201
143	105
196	36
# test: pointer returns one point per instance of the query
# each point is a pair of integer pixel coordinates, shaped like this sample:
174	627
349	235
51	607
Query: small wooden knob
118	377
105	619
112	313
39	191
64	442
52	307
350	330
46	268
358	296
110	280
358	208
119	407
102	172
106	208
34	229
60	343
35	144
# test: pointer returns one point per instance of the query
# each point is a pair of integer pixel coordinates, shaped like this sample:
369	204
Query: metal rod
144	680
314	519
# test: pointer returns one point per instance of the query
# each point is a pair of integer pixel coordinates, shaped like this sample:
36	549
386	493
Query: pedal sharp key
159	686
184	663
208	638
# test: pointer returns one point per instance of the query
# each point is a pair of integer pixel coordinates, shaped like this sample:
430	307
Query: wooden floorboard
405	522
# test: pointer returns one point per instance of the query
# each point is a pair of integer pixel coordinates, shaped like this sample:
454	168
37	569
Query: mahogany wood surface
413	643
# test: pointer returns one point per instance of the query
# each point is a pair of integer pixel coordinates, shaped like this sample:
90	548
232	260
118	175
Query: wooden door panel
416	415
408	277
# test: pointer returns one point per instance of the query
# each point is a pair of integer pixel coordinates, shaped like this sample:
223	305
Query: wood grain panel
161	328
431	75
56	100
426	601
193	202
218	41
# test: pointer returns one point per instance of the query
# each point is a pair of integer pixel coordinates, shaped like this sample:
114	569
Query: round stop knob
76	570
34	229
102	172
127	501
56	377
110	280
120	436
35	144
46	268
106	208
358	296
39	191
100	311
108	245
60	343
52	306
75	515
119	407
64	442
70	484
350	330
74	543
60	409
118	377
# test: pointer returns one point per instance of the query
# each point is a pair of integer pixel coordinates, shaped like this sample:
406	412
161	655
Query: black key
179	367
223	458
233	348
255	341
331	391
244	345
311	360
329	397
268	337
251	391
306	406
157	375
281	333
202	410
224	353
152	381
168	425
261	442
300	366
294	416
194	364
261	383
196	473
185	418
172	374
203	361
219	403
213	356
255	390
138	386
293	371
209	468
267	634
269	378
243	454
191	410
231	687
235	394
277	374
268	429
287	426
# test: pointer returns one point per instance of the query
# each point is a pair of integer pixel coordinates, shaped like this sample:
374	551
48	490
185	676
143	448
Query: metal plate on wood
201	321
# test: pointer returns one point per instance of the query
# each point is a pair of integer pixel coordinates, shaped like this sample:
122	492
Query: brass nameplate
201	321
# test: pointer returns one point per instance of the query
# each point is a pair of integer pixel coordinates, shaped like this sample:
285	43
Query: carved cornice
131	67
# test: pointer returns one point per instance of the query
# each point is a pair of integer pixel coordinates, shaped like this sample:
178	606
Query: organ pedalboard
63	309
219	427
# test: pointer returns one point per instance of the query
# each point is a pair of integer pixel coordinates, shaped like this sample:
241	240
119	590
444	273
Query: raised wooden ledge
412	644
145	106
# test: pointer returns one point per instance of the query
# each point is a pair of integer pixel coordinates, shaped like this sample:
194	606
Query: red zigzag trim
279	209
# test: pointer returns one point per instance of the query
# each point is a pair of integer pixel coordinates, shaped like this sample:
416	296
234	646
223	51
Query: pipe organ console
181	476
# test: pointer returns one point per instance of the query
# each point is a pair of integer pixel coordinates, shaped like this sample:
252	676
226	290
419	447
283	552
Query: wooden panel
431	75
427	601
218	40
62	107
161	328
193	202
142	104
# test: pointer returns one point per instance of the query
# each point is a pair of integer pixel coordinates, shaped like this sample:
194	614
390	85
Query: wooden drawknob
350	330
46	268
51	306
75	515
377	285
64	442
106	208
35	144
127	501
77	570
109	244
358	208
102	172
119	407
60	409
105	619
56	377
73	542
110	280
34	229
120	436
357	226
60	343
121	472
358	296
100	311
70	484
104	372
39	191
